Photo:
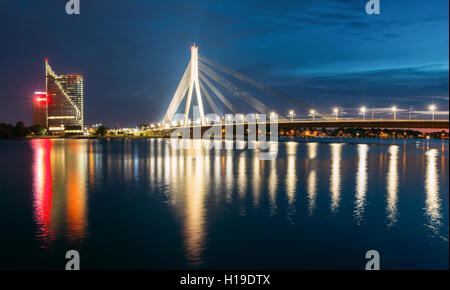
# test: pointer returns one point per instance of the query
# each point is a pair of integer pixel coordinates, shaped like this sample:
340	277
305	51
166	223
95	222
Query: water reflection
59	192
312	191
335	178
188	198
194	226
91	165
42	188
273	179
76	190
433	202
200	188
392	186
361	182
291	175
273	183
242	177
228	174
312	179
256	177
312	150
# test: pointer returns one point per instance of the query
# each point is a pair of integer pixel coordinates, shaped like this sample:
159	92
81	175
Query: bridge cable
252	101
209	99
261	86
178	96
217	92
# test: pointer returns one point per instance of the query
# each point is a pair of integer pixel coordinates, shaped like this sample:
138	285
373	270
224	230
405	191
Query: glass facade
65	102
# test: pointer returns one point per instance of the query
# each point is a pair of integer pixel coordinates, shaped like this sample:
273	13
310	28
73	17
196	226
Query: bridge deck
391	124
384	124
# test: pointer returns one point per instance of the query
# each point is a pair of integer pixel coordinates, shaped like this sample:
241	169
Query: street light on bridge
394	109
336	112
313	113
291	113
363	112
433	111
240	118
272	116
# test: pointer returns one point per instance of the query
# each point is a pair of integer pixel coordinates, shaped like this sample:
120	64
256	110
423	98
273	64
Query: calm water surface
131	204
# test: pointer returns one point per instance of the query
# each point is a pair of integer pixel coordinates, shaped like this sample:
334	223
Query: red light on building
40	109
41	96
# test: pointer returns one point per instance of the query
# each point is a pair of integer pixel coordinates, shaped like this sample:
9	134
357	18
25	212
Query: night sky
132	53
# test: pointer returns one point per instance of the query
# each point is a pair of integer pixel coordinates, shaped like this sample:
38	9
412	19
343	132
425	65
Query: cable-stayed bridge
210	81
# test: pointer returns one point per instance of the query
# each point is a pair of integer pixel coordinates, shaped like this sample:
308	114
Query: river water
145	204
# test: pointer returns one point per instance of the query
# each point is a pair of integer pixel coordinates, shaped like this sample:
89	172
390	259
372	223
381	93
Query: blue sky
132	53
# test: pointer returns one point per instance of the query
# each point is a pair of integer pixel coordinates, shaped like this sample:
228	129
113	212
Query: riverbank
346	140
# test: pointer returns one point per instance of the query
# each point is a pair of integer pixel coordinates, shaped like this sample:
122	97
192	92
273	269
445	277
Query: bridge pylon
189	82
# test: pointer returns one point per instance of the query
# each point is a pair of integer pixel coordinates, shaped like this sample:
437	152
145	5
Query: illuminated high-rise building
65	102
40	109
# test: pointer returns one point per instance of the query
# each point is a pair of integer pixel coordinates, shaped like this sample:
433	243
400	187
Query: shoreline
348	140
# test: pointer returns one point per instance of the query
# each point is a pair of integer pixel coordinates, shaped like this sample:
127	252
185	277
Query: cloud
403	86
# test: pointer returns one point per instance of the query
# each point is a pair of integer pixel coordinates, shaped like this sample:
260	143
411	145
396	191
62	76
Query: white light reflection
256	177
361	182
312	179
229	175
392	186
312	191
432	202
312	150
273	182
335	178
242	174
291	175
